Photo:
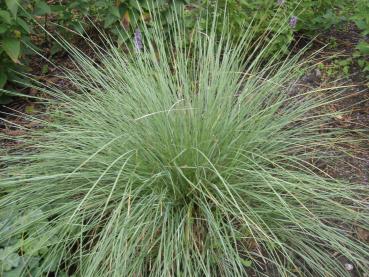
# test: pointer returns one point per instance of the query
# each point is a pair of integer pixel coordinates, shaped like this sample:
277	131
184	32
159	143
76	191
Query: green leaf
55	48
134	16
361	62
3	29
30	109
24	25
32	262
109	20
123	36
41	8
4	99
45	69
11	47
14	273
31	245
30	217
361	24
3	79
74	5
135	4
363	47
246	263
8	258
5	16
115	11
78	28
12	6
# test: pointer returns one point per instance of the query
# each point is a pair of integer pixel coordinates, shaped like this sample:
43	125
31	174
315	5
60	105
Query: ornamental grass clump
183	160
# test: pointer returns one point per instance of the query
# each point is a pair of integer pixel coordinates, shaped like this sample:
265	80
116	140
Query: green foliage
23	253
361	19
120	18
337	68
14	31
194	160
270	17
17	20
316	16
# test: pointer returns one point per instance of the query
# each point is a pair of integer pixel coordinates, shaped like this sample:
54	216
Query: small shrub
18	19
22	253
14	32
188	160
271	17
112	16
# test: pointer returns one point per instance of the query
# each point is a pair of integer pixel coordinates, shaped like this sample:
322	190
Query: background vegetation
19	22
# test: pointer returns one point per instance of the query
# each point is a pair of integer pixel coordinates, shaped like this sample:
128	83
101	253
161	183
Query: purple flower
138	40
293	21
280	2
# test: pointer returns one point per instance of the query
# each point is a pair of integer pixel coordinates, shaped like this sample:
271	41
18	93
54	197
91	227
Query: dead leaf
362	234
126	20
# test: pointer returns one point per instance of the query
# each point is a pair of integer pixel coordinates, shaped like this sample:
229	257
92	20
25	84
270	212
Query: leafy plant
337	68
20	253
187	160
24	253
271	17
118	18
361	19
19	17
17	20
14	30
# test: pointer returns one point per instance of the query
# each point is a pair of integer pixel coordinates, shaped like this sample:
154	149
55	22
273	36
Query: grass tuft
188	160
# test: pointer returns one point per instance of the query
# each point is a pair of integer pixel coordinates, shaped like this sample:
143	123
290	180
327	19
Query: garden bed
353	168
